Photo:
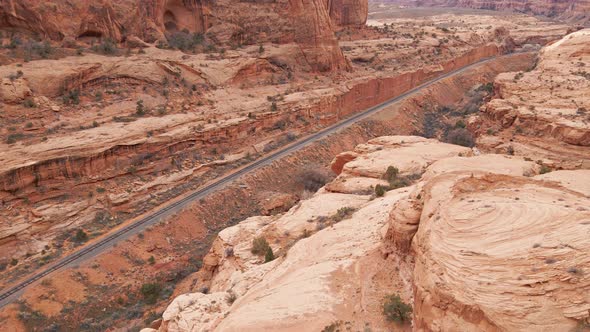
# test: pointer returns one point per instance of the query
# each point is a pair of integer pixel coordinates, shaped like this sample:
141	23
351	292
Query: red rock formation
306	22
348	12
575	10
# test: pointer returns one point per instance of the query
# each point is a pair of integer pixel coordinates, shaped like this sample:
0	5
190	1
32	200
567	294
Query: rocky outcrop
575	10
305	22
315	279
497	250
543	113
347	13
95	156
479	242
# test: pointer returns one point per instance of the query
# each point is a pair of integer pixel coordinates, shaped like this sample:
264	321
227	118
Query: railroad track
100	246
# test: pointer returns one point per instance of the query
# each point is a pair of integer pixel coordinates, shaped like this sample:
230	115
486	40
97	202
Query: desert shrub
19	74
545	169
430	124
395	309
15	41
306	233
231	297
184	40
343	213
488	87
152	260
80	236
41	49
229	252
13	261
71	97
150	292
391	174
312	180
269	255
461	136
12	138
396	181
380	190
259	246
334	327
107	47
29	103
140	109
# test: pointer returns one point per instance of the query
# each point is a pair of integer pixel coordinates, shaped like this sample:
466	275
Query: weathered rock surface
307	23
500	252
314	282
478	243
544	113
575	10
348	12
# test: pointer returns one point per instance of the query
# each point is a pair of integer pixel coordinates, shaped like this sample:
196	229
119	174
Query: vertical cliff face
574	10
571	9
348	12
315	35
309	23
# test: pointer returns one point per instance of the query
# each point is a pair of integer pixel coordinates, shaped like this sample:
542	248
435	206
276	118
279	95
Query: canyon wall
308	23
56	172
354	98
574	10
348	12
221	208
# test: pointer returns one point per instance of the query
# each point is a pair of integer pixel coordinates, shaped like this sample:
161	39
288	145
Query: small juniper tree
395	309
269	255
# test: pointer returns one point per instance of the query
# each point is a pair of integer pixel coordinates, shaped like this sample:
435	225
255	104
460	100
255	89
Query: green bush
140	109
391	174
29	103
107	46
380	190
80	236
12	138
151	292
269	255
312	180
260	246
461	136
42	49
71	97
395	309
184	40
343	213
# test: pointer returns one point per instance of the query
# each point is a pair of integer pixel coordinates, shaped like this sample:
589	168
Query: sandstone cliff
543	113
307	23
348	12
473	242
573	10
458	245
